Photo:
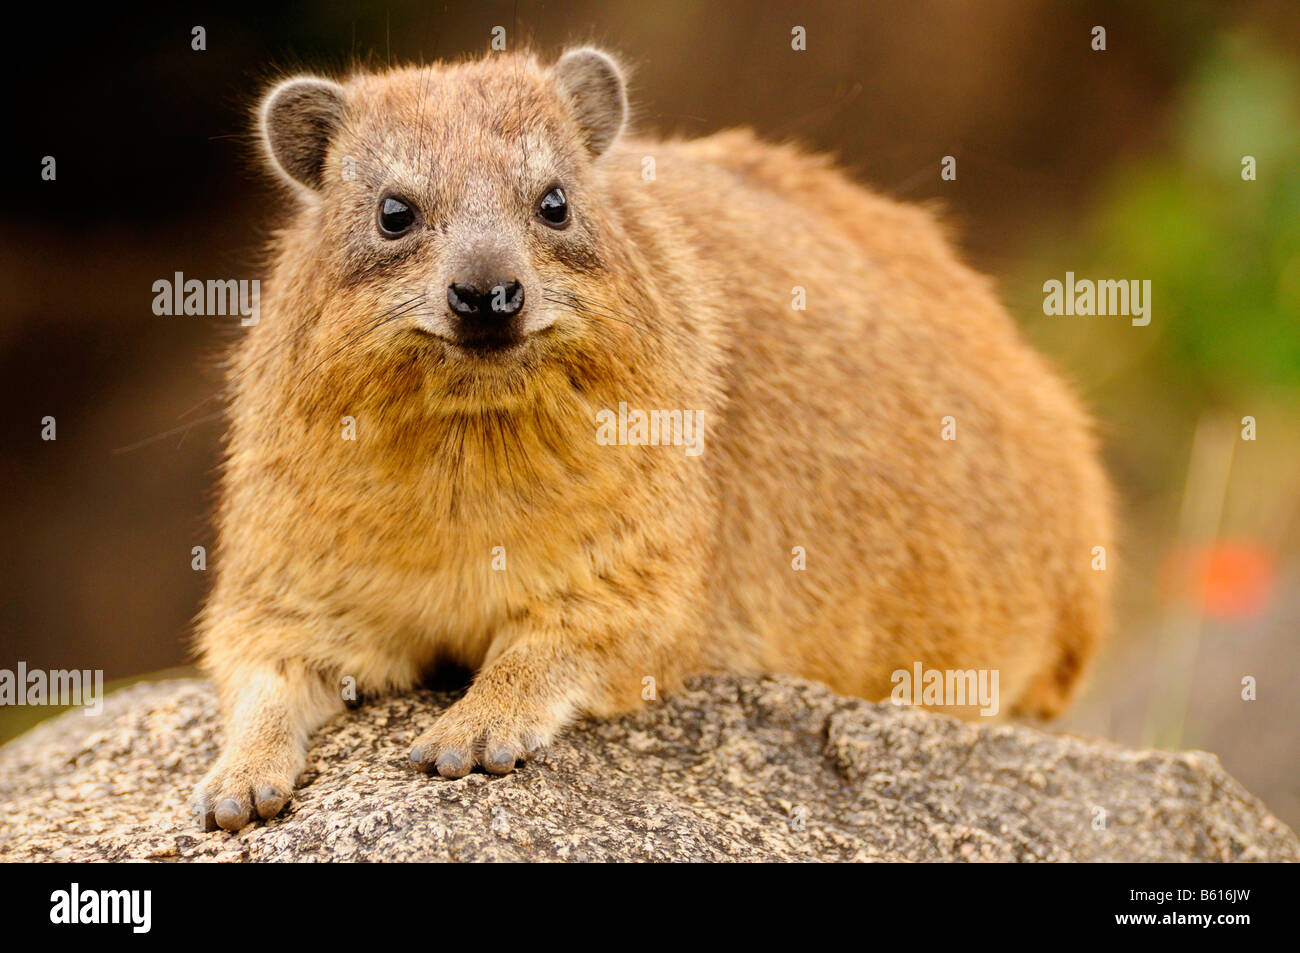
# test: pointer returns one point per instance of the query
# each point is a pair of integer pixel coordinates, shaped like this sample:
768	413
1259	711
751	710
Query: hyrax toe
270	800
233	813
453	755
454	764
446	760
499	758
230	798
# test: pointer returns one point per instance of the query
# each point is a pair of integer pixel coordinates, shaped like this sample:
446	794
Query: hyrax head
456	202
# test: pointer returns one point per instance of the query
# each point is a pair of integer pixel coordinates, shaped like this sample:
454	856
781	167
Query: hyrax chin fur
587	413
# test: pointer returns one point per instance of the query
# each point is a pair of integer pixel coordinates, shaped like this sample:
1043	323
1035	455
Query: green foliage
1222	255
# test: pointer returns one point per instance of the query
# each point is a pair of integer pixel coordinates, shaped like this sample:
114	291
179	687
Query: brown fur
372	558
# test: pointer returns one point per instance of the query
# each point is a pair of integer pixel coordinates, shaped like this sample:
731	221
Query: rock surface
729	769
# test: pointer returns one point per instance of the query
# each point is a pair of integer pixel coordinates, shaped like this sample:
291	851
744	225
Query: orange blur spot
1228	581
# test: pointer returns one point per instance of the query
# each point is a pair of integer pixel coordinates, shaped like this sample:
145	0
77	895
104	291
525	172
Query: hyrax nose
484	301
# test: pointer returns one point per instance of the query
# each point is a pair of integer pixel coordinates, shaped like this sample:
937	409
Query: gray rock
728	769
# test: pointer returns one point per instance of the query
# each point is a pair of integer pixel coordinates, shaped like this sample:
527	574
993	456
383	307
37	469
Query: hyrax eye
396	216
553	209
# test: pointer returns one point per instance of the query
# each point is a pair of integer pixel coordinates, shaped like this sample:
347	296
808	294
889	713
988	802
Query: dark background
1124	161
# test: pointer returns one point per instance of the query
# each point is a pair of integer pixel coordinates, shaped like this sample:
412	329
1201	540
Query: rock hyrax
586	412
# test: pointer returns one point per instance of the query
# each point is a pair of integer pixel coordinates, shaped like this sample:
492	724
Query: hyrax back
481	283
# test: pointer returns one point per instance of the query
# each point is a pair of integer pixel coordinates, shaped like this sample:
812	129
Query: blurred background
1122	163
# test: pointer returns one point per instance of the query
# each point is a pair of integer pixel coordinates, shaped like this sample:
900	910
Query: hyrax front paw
471	732
238	789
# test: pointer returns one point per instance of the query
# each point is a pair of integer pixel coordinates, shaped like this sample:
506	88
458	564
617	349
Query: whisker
574	303
183	428
387	317
602	310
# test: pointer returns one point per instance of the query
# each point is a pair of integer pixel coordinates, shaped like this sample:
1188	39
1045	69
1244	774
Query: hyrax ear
593	85
299	118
